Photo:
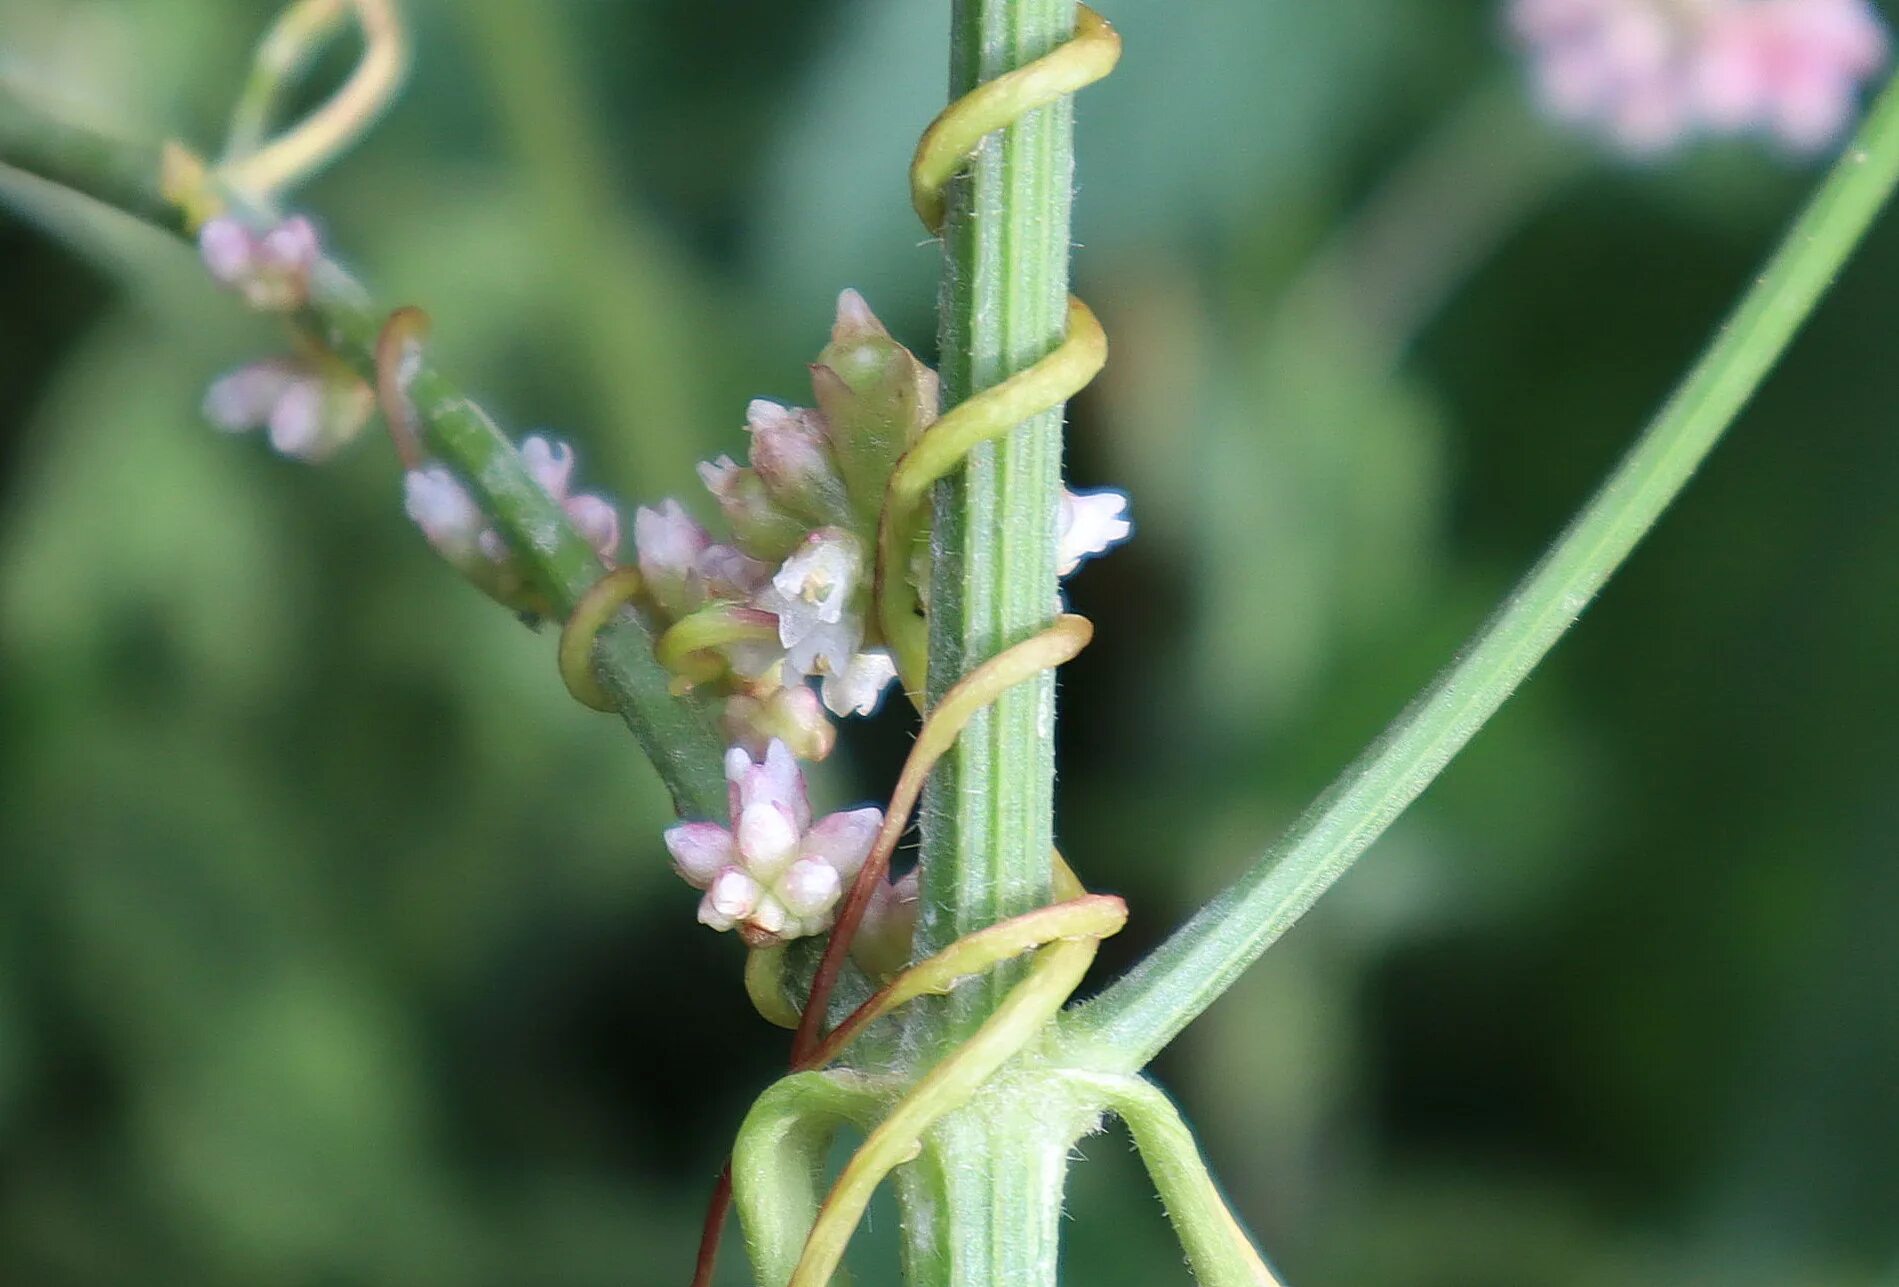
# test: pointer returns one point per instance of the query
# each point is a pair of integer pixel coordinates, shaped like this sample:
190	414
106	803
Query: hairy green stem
1126	1025
987	821
676	733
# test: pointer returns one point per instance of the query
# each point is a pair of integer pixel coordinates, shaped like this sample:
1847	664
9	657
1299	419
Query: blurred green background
337	946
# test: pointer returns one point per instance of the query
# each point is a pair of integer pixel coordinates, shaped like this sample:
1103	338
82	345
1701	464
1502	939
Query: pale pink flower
770	872
438	504
307	409
271	270
1651	72
1789	67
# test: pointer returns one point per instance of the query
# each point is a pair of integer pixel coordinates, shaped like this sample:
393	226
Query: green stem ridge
1127	1024
988	816
676	733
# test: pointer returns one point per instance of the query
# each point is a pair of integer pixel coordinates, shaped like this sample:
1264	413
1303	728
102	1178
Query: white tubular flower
859	688
816	598
770	873
1090	523
270	270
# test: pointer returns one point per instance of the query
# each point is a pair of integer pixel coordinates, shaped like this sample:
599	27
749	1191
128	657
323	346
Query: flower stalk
676	732
1124	1027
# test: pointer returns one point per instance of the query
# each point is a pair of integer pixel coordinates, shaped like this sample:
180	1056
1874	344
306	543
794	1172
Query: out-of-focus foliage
338	946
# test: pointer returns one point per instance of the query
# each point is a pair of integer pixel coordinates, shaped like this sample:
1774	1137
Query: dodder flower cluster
751	620
794	580
308	401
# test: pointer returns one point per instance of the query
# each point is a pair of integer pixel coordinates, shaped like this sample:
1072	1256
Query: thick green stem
987	827
987	824
676	734
1125	1026
116	172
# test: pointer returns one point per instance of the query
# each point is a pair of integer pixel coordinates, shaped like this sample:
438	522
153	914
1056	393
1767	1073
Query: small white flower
1090	523
771	874
816	598
860	687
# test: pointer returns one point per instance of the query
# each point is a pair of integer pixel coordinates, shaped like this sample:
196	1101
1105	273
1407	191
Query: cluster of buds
800	562
1651	72
309	403
455	525
271	269
770	872
308	406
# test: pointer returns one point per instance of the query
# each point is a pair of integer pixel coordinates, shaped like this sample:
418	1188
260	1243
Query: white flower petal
1090	523
859	689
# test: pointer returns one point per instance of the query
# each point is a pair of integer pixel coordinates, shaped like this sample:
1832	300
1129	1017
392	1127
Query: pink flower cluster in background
1650	73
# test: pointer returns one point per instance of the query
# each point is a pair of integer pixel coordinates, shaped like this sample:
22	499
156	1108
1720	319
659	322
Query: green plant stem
677	734
116	172
1126	1025
987	825
987	821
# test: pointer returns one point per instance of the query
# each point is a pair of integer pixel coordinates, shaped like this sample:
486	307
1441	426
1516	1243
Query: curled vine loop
599	605
261	168
1087	56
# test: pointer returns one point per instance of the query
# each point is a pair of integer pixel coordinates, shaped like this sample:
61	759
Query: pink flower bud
669	544
700	850
760	527
448	516
598	524
271	271
732	896
810	888
885	938
791	714
793	458
244	398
